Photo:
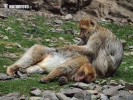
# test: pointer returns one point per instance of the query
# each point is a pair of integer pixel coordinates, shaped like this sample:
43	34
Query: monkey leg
35	54
67	68
103	65
35	69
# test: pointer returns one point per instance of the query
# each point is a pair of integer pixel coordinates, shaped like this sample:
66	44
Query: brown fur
103	49
40	59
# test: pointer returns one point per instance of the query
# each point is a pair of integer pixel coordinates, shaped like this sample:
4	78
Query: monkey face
86	74
86	26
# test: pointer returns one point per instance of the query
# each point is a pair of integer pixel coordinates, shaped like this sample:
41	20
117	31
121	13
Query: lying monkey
40	59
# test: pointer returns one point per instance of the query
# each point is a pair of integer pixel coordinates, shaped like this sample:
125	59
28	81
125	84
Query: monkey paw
43	81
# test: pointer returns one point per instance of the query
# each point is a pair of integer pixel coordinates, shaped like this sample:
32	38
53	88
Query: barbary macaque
41	59
103	49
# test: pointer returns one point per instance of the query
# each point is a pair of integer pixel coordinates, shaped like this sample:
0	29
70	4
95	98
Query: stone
83	95
70	92
93	91
93	97
123	92
104	82
35	98
114	83
129	86
80	85
73	98
130	66
36	92
61	96
119	97
122	82
4	76
130	47
110	91
11	96
58	22
49	94
5	37
68	17
104	97
92	86
124	42
21	74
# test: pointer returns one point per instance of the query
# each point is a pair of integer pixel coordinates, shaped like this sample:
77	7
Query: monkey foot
43	81
63	80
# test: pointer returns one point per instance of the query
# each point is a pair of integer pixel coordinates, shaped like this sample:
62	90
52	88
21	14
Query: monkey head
87	27
86	74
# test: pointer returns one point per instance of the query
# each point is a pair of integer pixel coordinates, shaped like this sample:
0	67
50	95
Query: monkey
103	48
42	59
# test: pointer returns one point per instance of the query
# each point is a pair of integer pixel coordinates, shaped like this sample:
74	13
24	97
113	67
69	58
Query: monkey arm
91	49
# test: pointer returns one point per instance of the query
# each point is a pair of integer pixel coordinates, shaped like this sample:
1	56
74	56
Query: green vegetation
23	32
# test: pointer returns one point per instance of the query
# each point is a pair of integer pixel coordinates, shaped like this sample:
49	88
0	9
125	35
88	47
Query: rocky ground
103	90
103	10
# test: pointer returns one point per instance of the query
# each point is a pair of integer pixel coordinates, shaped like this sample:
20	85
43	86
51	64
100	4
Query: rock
58	22
8	28
36	92
21	74
70	92
130	91
61	38
104	82
93	97
111	91
116	98
35	98
23	97
122	82
49	94
92	86
130	66
47	40
130	47
123	92
119	97
77	40
61	96
104	97
70	31
57	31
93	92
129	86
4	76
5	37
80	85
11	96
83	95
68	17
114	83
73	98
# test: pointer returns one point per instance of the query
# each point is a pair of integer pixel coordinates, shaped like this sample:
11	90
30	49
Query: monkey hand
64	48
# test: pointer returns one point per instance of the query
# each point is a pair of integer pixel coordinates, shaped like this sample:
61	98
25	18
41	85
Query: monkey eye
82	73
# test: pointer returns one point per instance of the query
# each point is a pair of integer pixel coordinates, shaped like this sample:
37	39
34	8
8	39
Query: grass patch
27	31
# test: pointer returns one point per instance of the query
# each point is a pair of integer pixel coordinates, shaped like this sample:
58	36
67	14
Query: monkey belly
52	61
